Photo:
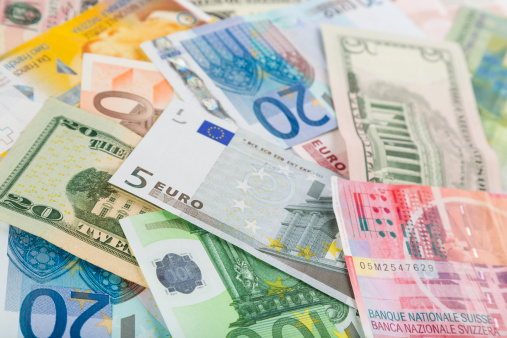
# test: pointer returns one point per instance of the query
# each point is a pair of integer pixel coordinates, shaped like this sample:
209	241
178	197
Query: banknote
483	37
424	261
243	189
327	150
45	291
435	17
16	110
267	72
21	21
407	111
54	185
50	64
221	9
131	92
190	270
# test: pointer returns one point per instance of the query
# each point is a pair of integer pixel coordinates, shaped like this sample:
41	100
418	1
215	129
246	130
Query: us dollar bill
54	185
407	111
243	189
188	269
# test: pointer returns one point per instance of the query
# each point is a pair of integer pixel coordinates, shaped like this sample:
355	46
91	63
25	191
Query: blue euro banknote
47	292
267	72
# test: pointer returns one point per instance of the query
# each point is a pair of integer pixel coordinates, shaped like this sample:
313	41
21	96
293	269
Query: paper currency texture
407	111
243	189
190	271
327	150
267	72
54	185
50	64
21	21
424	261
483	37
46	291
222	9
131	92
435	17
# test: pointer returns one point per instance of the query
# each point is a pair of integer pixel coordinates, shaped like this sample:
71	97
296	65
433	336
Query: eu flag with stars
215	132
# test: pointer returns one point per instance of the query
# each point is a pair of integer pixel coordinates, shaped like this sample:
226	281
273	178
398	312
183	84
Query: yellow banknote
50	65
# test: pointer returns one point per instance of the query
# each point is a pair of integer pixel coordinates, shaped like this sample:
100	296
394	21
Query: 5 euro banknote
243	189
54	186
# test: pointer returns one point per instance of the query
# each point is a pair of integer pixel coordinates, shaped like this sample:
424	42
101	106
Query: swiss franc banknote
131	92
327	150
46	291
435	17
54	185
21	21
425	261
267	72
483	37
243	189
407	111
190	271
50	64
222	9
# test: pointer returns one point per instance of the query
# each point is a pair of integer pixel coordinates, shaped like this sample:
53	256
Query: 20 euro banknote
267	72
407	111
46	291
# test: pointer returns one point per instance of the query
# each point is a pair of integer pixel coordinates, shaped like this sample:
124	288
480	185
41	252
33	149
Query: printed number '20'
294	125
25	315
43	211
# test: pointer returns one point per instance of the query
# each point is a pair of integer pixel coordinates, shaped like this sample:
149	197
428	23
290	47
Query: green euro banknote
407	111
483	37
204	285
54	186
47	292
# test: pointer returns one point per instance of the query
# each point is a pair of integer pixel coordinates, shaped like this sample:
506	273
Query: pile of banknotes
253	168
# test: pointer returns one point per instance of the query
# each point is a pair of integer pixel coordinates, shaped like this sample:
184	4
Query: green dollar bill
483	37
54	185
407	111
197	277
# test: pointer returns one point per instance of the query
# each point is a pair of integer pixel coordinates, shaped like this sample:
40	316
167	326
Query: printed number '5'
25	313
294	125
142	180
